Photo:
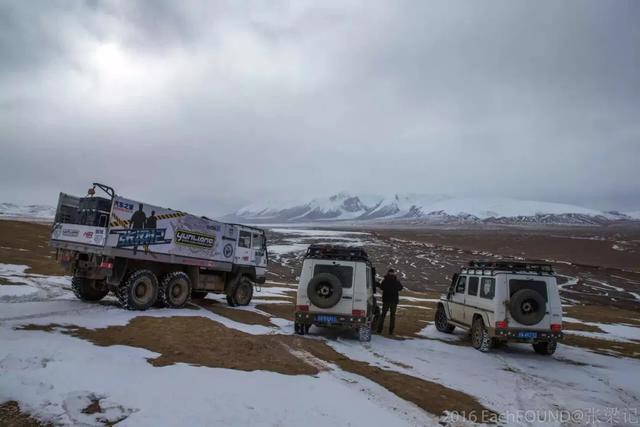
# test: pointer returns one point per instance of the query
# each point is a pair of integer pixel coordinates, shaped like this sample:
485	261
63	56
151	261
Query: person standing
391	287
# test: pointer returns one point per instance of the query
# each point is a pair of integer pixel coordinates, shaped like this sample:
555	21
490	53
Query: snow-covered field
55	376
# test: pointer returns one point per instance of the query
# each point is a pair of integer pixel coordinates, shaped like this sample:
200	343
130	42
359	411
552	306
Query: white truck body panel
152	229
142	231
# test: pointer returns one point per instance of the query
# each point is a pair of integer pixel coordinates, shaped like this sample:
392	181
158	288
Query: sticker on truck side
193	239
140	237
76	233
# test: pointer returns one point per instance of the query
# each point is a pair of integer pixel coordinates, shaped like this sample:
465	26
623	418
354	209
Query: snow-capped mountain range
418	208
398	208
31	212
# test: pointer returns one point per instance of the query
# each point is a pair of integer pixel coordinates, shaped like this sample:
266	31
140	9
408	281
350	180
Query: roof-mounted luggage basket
514	266
346	253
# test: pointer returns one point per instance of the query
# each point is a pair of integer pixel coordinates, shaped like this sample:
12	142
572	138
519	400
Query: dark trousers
388	306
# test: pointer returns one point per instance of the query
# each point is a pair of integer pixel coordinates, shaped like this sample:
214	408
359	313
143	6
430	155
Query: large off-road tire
301	328
199	294
88	289
175	289
139	291
480	339
527	307
441	321
324	290
240	291
546	348
376	315
364	333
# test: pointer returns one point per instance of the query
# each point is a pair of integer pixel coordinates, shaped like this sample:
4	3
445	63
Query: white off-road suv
504	301
336	289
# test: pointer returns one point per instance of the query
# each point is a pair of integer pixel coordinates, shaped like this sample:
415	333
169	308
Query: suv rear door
345	271
540	284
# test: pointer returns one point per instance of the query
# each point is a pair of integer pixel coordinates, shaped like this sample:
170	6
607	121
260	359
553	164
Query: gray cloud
206	107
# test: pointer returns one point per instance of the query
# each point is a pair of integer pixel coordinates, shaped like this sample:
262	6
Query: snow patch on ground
11	291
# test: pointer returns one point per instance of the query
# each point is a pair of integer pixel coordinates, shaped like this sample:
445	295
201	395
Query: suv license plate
325	318
527	335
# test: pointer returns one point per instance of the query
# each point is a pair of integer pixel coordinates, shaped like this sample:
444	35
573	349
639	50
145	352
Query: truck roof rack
514	266
346	253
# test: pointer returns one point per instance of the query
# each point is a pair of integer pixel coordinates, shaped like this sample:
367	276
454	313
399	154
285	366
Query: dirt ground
242	316
579	245
25	243
12	416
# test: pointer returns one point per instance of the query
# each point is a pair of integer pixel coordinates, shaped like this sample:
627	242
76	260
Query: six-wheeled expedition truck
149	255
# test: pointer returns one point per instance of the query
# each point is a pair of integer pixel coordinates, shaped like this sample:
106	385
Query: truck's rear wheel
241	292
139	291
175	289
88	289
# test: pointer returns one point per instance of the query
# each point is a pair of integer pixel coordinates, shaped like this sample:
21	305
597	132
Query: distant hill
32	212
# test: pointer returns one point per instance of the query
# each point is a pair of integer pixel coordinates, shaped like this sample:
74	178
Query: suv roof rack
347	253
529	267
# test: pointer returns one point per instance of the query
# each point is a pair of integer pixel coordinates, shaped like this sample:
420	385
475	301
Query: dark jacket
390	287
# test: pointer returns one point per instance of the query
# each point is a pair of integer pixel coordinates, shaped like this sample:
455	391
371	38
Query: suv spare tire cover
527	307
324	290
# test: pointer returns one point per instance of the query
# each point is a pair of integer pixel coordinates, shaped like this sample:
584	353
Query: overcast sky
206	106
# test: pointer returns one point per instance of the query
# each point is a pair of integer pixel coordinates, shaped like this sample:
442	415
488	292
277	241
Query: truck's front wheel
241	292
139	291
88	289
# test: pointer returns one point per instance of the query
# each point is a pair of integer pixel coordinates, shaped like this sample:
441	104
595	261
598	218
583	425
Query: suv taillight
501	324
302	308
555	327
358	313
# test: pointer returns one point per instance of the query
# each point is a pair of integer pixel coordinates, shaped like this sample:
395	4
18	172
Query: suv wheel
480	336
324	290
364	333
441	321
546	348
300	328
527	307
